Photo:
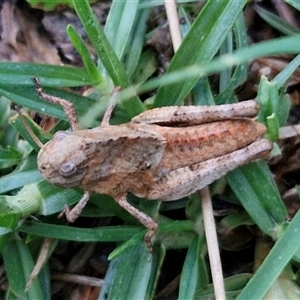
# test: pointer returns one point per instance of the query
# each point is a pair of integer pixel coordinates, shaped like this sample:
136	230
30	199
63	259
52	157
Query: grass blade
254	187
106	54
279	256
213	23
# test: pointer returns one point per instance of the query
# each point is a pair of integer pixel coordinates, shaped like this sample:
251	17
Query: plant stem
172	15
212	244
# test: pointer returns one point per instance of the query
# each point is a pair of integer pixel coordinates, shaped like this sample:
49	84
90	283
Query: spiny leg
147	221
74	213
107	115
67	106
110	107
143	218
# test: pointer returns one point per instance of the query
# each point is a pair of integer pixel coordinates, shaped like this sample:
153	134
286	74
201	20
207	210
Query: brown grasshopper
162	154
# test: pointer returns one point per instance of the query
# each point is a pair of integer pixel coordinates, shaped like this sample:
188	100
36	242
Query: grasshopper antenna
67	106
30	131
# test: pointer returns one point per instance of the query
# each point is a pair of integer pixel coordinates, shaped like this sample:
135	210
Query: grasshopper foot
149	235
65	211
143	218
74	213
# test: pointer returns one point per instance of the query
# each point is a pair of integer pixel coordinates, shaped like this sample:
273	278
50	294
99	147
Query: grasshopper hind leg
187	180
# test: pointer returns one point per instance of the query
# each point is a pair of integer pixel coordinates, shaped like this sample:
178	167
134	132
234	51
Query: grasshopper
162	154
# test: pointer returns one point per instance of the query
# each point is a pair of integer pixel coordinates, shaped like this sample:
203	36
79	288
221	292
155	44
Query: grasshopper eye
60	135
67	169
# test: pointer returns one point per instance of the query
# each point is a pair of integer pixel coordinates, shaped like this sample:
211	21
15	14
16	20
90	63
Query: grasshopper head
62	161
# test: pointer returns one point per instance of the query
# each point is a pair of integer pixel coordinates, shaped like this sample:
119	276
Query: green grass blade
101	43
255	188
201	92
19	264
9	157
50	75
18	179
145	68
135	47
125	29
106	54
276	21
239	74
27	97
287	72
200	45
68	233
294	3
194	276
281	45
136	278
4	110
119	25
85	55
27	201
279	256
152	3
